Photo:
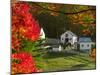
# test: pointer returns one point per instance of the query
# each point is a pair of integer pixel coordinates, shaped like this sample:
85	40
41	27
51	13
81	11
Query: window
66	35
92	45
82	45
88	45
62	38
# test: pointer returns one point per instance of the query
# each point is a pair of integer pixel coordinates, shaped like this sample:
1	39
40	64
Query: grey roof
53	41
85	39
55	46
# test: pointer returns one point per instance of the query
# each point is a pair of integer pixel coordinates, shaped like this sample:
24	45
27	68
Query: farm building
53	44
85	43
68	37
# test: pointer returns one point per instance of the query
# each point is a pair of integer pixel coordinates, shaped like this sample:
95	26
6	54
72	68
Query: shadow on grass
57	54
78	67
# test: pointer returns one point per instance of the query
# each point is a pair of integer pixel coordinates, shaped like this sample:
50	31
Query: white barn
85	43
69	37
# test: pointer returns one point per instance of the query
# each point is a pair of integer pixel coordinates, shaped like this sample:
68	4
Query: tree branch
65	12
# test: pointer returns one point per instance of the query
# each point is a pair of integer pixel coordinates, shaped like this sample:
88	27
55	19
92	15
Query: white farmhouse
42	34
85	43
68	37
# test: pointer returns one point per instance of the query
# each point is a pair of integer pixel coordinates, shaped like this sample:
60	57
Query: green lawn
63	61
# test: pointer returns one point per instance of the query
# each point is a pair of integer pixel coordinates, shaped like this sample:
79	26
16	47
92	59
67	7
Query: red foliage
23	23
24	26
26	63
16	44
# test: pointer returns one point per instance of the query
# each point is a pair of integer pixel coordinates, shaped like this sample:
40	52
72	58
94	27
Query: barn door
66	40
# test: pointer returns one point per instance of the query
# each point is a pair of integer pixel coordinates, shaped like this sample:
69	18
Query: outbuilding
85	43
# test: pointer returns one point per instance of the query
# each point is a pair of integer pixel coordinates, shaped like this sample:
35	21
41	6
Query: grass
61	61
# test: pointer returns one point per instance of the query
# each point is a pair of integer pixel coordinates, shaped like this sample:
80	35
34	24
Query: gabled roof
70	33
85	39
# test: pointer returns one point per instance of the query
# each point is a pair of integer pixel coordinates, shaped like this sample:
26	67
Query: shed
85	43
